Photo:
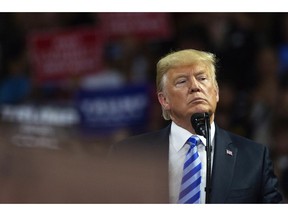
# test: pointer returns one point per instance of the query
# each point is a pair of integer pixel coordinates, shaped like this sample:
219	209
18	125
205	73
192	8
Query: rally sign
63	54
141	25
110	109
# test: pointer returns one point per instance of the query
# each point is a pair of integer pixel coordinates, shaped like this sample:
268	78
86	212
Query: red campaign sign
143	25
63	54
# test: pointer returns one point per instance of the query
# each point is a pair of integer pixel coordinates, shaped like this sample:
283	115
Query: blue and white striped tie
190	185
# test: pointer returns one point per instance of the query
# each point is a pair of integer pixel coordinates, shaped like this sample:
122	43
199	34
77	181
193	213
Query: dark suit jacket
246	176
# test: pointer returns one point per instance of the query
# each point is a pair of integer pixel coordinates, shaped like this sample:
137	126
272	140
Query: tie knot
193	140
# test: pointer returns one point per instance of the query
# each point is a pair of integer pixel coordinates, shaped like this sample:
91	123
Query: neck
186	124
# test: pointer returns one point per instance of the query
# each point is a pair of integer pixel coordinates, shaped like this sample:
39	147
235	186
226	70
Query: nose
194	86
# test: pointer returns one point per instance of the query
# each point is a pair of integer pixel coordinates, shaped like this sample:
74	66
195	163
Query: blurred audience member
264	94
111	75
16	86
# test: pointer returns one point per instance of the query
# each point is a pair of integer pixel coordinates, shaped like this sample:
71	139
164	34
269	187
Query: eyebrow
201	72
185	74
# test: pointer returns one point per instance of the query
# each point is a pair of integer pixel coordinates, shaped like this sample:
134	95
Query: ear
163	100
217	93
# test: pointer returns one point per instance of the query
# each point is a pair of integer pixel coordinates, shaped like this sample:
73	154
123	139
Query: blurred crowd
252	72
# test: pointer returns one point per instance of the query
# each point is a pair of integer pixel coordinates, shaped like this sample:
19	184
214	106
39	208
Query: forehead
188	70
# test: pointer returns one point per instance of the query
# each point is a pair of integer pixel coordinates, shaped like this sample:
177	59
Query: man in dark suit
242	171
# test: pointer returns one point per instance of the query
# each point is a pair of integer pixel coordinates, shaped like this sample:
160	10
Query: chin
200	110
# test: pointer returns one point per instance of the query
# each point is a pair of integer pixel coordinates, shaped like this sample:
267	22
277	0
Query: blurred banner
142	25
107	110
37	126
64	54
58	55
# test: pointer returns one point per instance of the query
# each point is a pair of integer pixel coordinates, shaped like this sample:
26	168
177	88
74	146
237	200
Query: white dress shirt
177	153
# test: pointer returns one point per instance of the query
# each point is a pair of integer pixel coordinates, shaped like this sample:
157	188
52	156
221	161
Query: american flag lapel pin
229	152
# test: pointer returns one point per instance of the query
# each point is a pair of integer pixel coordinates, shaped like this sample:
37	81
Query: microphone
201	124
198	121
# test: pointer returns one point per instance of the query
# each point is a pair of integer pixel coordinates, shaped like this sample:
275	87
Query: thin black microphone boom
201	124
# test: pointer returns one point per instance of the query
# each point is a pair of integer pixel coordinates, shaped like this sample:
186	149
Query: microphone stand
208	157
201	125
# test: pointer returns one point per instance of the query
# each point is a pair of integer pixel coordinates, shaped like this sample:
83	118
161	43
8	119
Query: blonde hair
183	58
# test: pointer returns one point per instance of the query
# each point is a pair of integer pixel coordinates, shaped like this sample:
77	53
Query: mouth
198	100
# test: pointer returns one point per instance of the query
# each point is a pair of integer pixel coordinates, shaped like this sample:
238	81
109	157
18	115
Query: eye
181	81
202	77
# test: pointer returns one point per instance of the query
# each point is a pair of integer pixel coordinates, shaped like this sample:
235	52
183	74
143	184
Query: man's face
188	90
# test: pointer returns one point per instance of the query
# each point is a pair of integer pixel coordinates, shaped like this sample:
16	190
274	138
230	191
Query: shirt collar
179	136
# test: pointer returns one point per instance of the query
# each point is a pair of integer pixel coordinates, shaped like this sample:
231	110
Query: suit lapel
225	154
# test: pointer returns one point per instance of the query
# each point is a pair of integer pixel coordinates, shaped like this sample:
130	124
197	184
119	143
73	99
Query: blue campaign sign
110	109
